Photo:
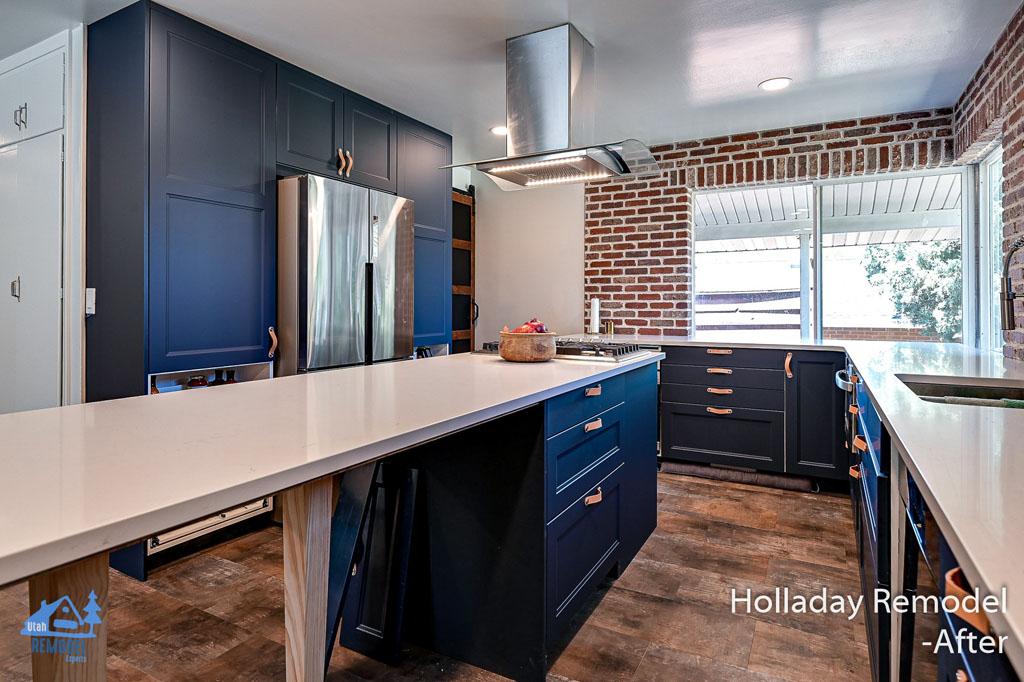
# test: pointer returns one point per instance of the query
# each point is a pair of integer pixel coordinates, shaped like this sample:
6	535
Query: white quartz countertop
82	479
968	460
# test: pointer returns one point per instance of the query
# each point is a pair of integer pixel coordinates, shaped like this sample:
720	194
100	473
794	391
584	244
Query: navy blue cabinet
422	151
212	285
814	416
371	134
310	122
181	199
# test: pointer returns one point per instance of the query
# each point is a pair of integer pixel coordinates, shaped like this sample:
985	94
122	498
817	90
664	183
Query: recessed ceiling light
499	130
773	84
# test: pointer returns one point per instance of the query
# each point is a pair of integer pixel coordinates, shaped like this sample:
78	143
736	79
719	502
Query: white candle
595	315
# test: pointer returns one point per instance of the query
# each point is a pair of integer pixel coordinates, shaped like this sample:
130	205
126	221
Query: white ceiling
667	69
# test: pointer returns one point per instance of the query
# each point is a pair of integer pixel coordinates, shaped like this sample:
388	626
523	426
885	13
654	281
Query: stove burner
584	349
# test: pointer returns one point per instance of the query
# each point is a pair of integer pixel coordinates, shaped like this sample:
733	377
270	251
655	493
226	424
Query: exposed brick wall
991	111
638	232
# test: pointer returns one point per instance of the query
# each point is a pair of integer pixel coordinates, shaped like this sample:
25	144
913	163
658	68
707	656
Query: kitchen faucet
1006	294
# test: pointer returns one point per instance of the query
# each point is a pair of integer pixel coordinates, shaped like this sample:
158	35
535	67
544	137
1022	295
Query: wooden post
65	659
307	541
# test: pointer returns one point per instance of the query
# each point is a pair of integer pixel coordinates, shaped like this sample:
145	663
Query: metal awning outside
880	211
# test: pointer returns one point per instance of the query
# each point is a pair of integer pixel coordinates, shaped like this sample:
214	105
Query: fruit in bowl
529	342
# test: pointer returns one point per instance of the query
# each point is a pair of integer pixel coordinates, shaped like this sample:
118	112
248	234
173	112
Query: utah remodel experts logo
59	628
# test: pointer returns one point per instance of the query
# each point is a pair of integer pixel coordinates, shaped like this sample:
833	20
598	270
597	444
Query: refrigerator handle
369	314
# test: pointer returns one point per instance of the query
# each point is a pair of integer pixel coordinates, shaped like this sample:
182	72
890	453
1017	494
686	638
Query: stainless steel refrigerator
344	275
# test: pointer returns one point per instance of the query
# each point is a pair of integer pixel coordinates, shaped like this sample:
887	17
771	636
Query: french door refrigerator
345	275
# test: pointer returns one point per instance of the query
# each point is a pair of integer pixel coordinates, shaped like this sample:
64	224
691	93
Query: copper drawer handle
719	351
789	365
719	391
719	370
593	391
961	675
855	471
719	410
860	443
854	409
593	499
957	585
341	162
593	426
273	341
351	163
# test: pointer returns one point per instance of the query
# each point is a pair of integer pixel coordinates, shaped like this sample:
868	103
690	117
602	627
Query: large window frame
812	276
989	252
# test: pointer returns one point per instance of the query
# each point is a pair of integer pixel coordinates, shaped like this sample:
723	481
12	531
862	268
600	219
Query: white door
30	273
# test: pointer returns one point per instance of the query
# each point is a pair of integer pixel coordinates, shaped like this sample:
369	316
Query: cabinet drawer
756	398
582	544
725	356
578	458
32	98
580	404
729	377
746	438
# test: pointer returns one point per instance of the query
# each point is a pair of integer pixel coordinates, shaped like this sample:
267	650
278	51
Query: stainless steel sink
960	390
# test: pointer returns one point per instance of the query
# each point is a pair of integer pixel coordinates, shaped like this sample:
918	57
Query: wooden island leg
85	584
307	540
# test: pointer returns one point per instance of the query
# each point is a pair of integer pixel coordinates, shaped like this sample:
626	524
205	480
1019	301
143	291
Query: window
990	250
889	249
751	263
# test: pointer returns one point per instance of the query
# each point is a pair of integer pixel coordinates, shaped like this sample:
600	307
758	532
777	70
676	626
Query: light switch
90	301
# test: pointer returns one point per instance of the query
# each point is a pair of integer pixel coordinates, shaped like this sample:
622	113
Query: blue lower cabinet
601	487
583	543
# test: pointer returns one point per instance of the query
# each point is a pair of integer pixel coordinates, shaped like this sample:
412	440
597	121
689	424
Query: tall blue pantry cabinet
188	131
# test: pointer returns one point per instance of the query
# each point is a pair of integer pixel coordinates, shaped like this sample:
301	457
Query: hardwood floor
219	615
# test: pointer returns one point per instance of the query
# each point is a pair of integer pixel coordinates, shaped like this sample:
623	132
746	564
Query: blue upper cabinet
310	122
422	151
212	198
370	144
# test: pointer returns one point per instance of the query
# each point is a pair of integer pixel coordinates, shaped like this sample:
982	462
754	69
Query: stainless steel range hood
549	113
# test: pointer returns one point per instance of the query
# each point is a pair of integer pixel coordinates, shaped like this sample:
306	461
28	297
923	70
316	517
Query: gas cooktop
583	348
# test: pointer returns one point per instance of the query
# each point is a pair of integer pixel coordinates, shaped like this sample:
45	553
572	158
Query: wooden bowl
527	347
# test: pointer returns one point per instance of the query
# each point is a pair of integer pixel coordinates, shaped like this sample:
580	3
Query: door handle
351	163
719	391
719	410
593	391
24	114
17	117
273	342
719	370
16	288
476	312
593	499
341	161
789	365
593	426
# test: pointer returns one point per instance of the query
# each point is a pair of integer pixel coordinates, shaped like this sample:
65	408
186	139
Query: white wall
529	257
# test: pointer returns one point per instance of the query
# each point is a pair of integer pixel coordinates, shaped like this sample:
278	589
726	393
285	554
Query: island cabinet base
518	521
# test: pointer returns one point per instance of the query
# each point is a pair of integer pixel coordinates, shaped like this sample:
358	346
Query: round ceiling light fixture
499	130
773	84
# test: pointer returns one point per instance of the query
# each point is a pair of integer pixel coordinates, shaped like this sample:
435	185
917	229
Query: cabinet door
310	121
422	152
814	416
212	198
371	138
32	98
731	436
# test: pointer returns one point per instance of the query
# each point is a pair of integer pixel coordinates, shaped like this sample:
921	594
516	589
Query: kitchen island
82	480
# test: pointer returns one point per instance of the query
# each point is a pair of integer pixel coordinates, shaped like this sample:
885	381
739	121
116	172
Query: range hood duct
549	113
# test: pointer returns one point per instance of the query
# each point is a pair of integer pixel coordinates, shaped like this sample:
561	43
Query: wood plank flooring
219	615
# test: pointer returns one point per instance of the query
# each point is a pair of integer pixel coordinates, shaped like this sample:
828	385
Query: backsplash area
639	233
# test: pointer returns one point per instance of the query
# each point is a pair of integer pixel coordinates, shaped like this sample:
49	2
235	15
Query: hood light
569	178
538	164
773	84
499	130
